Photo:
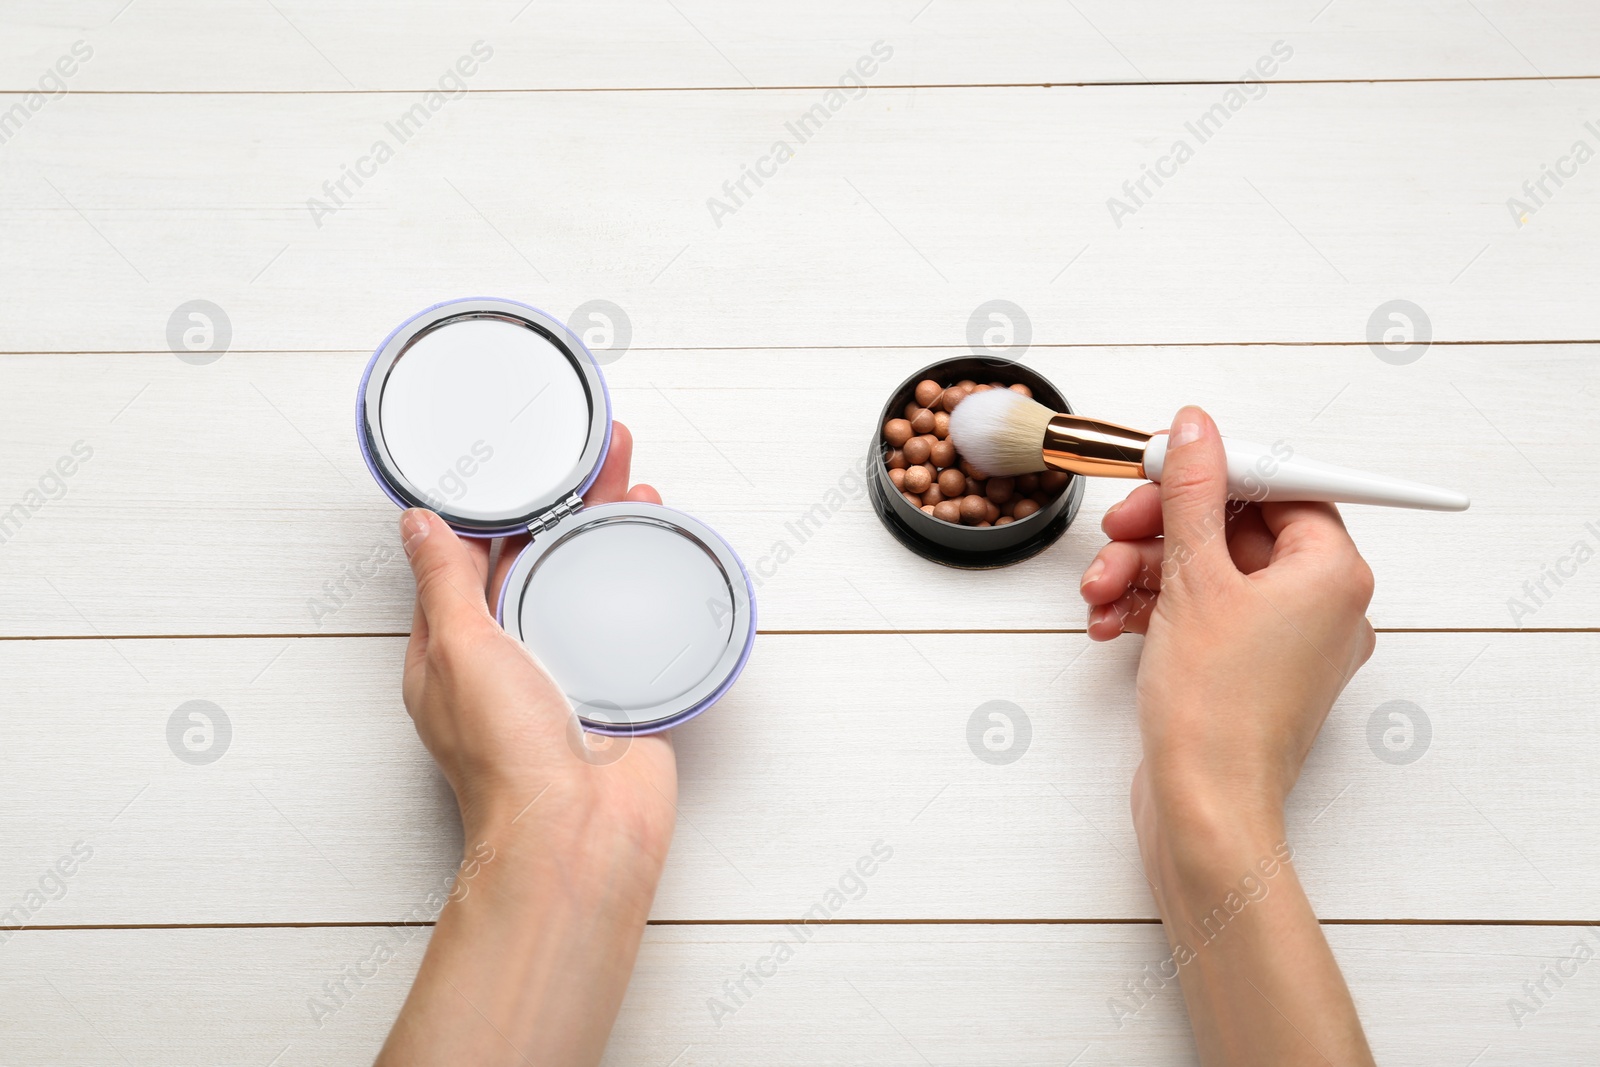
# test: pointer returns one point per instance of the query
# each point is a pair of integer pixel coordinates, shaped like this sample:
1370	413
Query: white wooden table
222	498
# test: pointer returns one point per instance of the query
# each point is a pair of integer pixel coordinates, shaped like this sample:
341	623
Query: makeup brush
1004	433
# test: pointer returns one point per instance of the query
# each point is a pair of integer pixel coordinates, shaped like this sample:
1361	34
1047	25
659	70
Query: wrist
592	884
570	835
1201	854
1219	808
1193	829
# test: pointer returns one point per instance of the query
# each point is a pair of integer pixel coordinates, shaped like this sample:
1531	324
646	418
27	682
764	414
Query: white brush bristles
1001	432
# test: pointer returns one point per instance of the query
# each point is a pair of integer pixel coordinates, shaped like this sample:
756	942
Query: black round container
945	542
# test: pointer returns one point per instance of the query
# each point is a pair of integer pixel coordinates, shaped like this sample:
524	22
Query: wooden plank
1268	233
909	995
189	45
323	806
231	499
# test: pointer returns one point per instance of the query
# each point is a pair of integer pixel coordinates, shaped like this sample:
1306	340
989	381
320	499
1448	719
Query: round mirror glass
640	614
485	411
485	416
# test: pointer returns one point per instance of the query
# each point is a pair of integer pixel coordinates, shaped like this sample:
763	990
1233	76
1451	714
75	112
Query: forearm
530	959
1258	978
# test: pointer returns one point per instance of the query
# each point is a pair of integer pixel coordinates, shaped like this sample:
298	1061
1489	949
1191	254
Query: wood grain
1309	209
912	995
211	516
324	807
297	45
231	498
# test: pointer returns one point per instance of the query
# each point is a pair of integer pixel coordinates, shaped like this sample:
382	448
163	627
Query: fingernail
1114	508
1184	433
1101	614
414	529
1187	427
1095	570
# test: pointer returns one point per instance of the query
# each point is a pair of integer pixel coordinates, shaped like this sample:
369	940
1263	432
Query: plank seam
1460	79
640	349
762	633
367	925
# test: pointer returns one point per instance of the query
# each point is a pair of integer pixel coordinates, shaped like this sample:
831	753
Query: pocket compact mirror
495	416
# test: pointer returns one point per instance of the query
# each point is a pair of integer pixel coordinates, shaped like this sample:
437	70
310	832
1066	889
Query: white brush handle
1267	472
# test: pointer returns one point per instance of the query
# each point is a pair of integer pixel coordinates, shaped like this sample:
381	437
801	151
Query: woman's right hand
1254	621
1253	617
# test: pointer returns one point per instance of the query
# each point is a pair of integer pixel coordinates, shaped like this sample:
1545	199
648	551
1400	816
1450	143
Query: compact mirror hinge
554	514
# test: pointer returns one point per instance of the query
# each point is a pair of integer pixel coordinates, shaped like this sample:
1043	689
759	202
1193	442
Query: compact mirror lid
643	615
488	412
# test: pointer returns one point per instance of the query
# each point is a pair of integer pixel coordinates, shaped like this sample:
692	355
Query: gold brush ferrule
1094	447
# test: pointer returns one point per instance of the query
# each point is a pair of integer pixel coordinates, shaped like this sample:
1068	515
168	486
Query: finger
449	584
1194	494
509	551
612	482
478	549
1305	528
1250	542
419	628
1137	516
1120	566
644	494
1128	614
416	655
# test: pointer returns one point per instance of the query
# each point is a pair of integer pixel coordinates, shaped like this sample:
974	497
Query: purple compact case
494	415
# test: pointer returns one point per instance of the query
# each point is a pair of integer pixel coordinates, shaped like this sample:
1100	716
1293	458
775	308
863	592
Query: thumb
1194	495
448	585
